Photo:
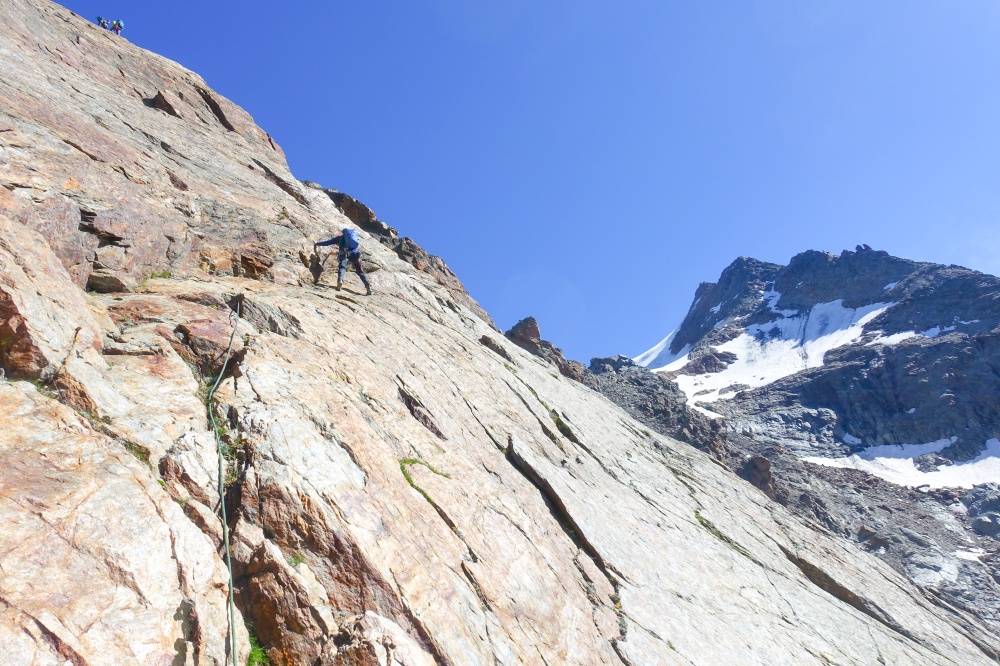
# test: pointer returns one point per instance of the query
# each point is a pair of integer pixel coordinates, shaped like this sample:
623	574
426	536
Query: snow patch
936	331
851	439
905	450
707	412
679	362
894	463
768	352
893	339
971	555
890	285
931	332
911	410
660	357
771	298
716	309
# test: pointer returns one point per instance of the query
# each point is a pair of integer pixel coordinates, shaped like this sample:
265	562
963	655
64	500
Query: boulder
987	524
982	499
527	335
110	282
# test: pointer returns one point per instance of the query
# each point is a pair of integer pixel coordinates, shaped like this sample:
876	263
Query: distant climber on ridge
103	22
117	26
349	244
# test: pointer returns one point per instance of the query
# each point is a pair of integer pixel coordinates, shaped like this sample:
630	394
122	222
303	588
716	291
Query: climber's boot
339	285
369	292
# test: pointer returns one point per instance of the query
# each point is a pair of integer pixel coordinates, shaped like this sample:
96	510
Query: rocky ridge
889	351
404	485
528	336
862	381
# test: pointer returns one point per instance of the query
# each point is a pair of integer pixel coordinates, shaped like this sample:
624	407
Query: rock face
820	377
36	346
398	490
100	566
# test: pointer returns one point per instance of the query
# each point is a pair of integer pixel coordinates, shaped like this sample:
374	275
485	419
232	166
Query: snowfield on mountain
860	390
404	485
895	463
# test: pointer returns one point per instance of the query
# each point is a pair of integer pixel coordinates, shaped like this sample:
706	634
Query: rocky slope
403	484
860	391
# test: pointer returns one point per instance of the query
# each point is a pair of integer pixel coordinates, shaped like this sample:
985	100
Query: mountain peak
764	325
857	389
221	437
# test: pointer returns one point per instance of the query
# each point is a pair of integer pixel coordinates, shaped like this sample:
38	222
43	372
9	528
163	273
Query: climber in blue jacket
349	244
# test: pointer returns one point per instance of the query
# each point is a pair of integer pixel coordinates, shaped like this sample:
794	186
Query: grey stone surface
983	499
399	492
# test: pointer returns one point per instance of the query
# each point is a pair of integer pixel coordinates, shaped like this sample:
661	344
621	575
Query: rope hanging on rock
222	486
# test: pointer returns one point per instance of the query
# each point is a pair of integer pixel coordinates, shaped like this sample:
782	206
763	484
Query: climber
117	26
103	22
350	252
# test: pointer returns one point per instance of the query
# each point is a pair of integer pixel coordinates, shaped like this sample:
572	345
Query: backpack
351	239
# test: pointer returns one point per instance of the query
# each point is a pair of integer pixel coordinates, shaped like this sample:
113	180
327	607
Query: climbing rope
222	485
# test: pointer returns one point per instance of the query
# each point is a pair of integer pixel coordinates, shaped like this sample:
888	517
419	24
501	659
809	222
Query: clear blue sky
589	162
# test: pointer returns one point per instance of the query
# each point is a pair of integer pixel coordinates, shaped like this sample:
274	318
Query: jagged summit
751	291
860	390
843	336
405	486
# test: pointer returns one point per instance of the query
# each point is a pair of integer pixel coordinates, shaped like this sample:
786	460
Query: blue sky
589	162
